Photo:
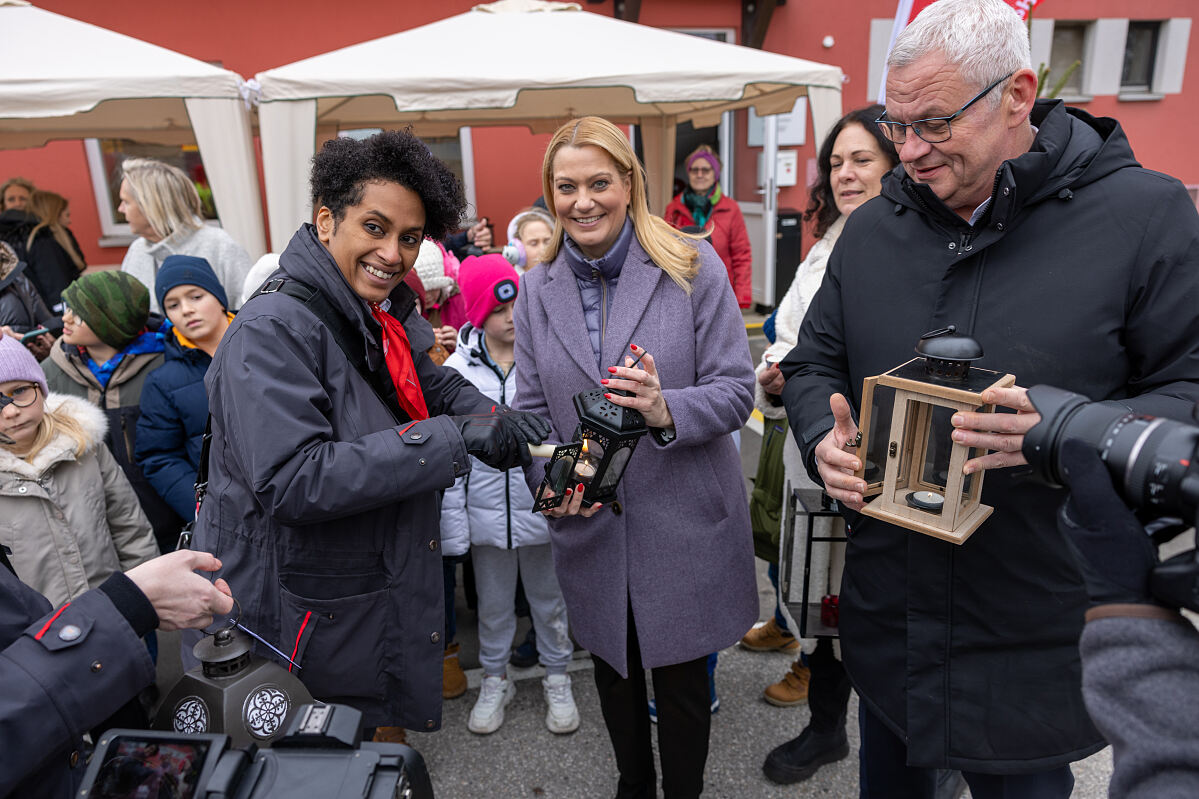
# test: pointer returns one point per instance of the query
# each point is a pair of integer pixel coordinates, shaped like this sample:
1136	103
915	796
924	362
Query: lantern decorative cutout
604	441
909	459
234	692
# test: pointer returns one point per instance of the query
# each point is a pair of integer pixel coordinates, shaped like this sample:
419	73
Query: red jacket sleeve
741	252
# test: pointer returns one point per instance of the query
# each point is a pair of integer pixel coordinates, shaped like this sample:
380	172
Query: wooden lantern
909	460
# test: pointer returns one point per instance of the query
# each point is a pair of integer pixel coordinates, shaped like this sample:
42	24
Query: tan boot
390	735
769	637
453	678
792	689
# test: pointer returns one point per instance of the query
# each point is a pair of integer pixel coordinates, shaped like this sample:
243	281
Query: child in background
70	518
170	430
529	235
430	270
491	512
105	355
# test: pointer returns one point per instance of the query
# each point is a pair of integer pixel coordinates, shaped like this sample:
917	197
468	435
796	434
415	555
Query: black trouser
828	691
684	717
885	774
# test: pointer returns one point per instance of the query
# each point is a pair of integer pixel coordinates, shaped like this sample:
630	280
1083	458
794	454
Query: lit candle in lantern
585	467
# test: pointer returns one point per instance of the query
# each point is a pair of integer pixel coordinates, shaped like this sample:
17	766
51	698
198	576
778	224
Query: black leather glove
501	439
1114	552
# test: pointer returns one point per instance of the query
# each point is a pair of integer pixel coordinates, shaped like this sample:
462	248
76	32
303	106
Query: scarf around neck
701	205
398	354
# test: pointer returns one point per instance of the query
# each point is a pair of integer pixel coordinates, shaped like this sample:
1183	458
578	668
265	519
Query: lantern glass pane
615	468
939	447
589	460
878	432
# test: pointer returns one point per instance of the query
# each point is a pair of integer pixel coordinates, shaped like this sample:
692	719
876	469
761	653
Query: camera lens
1152	460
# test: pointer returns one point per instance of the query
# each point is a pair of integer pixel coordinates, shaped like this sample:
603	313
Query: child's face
498	325
196	313
21	424
535	235
76	331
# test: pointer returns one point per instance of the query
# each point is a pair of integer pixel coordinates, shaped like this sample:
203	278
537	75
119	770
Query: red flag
908	10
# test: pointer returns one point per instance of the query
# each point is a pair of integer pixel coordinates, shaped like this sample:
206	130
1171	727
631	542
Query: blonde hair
48	207
53	422
165	194
673	252
24	183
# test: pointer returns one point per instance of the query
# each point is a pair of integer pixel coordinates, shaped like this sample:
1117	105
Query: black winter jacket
1084	274
49	266
324	507
21	307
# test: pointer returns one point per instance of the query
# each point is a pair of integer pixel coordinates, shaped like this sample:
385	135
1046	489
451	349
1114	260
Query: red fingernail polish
598	505
580	488
604	382
607	396
612	369
567	493
634	347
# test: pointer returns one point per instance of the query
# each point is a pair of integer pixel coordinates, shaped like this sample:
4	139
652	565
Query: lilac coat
682	547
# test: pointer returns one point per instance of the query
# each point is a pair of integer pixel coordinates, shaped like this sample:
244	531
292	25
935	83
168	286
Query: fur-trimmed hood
62	446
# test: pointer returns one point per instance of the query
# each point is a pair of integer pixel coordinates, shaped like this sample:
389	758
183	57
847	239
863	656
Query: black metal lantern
909	459
234	692
604	441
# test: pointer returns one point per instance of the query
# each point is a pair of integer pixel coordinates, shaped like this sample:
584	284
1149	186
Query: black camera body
1154	464
322	754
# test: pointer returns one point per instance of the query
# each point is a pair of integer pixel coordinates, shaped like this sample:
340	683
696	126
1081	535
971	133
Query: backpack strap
344	333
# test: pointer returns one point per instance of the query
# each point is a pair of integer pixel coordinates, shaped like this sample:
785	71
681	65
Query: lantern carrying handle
234	623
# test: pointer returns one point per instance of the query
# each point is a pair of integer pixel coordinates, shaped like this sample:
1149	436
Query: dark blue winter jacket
171	426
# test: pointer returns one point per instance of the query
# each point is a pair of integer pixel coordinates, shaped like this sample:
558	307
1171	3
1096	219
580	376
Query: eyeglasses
21	396
700	170
935	129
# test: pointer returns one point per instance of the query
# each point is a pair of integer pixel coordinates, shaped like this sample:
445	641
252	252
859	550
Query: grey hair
985	39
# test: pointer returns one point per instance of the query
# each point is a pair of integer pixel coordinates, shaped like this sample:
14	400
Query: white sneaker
561	715
488	713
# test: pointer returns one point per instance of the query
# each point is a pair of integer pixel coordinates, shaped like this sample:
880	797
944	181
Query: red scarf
398	353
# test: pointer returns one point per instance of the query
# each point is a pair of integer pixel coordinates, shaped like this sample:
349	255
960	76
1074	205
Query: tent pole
222	127
288	132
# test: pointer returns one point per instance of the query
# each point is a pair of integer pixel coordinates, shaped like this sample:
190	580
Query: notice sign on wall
793	126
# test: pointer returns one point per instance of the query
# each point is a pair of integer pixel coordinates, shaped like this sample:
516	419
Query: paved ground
523	759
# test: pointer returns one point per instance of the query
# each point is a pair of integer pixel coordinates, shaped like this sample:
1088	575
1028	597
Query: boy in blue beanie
174	402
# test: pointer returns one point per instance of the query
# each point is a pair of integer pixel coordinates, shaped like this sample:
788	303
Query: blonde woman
53	253
68	516
162	207
665	575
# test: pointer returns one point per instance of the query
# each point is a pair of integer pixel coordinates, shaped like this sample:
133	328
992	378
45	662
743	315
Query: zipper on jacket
603	307
487	360
128	440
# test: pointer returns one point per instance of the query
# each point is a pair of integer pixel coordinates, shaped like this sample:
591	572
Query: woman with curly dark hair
850	168
333	435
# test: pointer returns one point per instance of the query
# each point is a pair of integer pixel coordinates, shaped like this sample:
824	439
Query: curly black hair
822	205
343	167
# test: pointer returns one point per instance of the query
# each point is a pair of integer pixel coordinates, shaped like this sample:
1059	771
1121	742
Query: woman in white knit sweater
851	166
162	207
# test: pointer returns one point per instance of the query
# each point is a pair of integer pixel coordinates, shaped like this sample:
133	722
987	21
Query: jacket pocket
337	640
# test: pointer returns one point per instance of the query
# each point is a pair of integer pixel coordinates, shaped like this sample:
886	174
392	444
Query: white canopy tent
532	63
66	79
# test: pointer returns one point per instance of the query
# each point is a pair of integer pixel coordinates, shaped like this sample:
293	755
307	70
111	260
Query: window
104	161
1140	55
1069	46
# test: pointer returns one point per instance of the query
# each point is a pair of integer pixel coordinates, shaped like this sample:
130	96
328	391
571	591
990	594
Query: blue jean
773	573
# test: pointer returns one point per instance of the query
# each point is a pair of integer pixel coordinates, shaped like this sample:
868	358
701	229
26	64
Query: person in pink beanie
495	522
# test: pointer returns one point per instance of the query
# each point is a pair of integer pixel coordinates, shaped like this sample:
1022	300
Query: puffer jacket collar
608	265
61	447
11	266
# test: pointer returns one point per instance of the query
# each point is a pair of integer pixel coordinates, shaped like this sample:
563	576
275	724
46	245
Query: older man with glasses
1031	227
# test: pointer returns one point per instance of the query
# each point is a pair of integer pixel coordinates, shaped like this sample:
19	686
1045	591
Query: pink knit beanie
18	363
487	282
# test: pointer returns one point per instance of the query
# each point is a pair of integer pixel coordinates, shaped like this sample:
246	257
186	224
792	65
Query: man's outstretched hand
836	458
181	598
501	439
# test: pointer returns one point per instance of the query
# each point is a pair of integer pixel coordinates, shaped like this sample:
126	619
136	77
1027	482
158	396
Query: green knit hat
114	304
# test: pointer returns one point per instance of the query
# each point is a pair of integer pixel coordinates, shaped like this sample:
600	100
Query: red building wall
252	37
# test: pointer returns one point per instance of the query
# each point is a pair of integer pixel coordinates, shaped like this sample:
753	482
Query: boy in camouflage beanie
115	305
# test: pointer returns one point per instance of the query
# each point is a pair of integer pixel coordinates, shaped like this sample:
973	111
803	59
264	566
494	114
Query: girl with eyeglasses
68	516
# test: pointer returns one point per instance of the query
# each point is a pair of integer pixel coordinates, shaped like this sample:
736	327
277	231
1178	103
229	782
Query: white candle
584	469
